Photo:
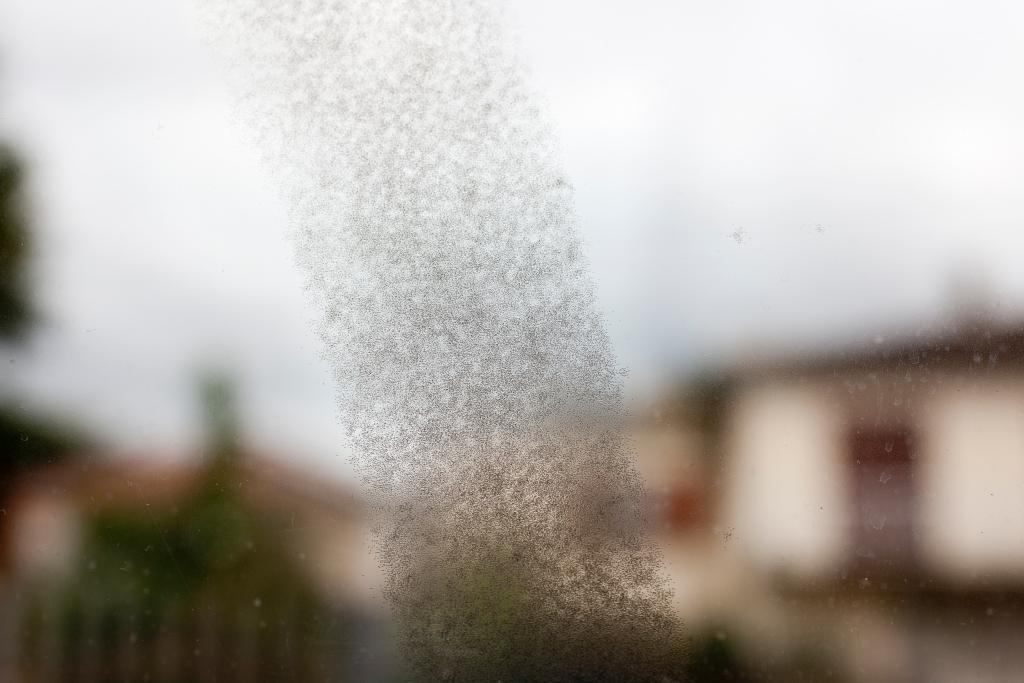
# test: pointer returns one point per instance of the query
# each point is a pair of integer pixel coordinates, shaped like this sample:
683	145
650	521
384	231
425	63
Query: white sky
747	172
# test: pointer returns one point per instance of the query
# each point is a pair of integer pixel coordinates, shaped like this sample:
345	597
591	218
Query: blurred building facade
851	516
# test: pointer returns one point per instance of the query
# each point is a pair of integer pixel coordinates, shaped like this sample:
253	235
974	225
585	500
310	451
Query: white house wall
785	493
972	479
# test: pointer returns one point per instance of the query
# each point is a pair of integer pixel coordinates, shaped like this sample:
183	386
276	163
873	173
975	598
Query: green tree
25	440
15	246
212	550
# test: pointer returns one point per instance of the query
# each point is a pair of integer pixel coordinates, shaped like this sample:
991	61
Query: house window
882	485
685	508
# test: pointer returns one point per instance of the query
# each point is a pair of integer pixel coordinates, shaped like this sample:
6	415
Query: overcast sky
747	173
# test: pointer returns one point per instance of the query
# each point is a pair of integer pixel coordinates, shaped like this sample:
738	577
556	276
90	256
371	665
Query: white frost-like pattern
436	230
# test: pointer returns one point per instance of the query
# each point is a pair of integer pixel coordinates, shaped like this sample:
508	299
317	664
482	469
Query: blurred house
862	509
324	522
148	568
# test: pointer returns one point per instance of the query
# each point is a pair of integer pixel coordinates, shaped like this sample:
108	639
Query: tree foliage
15	246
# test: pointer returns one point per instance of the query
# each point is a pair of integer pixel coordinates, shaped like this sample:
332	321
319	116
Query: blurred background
805	224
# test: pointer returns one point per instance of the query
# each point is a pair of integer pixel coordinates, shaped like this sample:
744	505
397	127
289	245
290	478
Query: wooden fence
55	634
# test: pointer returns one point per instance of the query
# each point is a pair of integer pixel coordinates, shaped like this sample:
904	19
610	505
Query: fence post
168	644
208	642
48	651
246	650
10	633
